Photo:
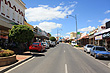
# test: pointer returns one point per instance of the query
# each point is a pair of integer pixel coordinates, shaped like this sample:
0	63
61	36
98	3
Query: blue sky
50	15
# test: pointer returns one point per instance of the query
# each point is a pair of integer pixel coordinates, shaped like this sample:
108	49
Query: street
61	59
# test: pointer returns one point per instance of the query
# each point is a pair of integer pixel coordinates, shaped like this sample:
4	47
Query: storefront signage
98	37
106	35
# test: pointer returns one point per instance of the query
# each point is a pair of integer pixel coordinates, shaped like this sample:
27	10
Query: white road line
19	65
94	58
66	70
64	51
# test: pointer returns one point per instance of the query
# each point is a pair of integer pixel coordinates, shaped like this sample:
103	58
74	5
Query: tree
21	34
49	34
52	38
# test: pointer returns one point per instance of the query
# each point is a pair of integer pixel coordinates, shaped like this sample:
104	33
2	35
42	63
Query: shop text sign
98	37
106	35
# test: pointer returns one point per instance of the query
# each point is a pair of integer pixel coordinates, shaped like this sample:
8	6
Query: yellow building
25	23
72	35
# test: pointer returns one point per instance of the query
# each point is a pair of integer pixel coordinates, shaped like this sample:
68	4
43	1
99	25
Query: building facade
12	12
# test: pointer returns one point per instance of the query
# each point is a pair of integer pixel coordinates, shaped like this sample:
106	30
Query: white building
12	12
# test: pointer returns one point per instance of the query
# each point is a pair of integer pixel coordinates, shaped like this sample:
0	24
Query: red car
37	46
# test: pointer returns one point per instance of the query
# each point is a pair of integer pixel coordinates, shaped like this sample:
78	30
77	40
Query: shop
103	38
4	36
106	36
83	40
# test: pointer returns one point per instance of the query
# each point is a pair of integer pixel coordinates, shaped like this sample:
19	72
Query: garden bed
7	60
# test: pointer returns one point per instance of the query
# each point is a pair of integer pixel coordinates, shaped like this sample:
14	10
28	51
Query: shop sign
106	35
78	35
98	37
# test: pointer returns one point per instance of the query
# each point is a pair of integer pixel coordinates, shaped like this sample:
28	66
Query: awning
103	31
84	37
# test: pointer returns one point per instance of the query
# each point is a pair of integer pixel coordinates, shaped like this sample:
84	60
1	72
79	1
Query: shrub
5	53
76	46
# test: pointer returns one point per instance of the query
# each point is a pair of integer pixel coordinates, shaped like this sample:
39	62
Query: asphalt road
61	59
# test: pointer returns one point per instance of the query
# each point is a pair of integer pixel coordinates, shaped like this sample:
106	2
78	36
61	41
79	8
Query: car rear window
35	43
90	46
100	49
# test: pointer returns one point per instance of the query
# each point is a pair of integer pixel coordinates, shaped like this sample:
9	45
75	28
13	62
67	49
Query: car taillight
30	46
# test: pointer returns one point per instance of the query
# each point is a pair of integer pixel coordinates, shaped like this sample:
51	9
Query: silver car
88	47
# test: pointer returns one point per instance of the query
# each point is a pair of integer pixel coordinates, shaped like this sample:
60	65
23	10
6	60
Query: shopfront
4	36
106	36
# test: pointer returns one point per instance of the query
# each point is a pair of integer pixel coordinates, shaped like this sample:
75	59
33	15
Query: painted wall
13	10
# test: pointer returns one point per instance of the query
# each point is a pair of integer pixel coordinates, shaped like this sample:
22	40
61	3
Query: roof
103	31
86	36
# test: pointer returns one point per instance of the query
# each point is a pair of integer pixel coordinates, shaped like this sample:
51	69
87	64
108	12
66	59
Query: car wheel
90	54
86	51
42	50
95	56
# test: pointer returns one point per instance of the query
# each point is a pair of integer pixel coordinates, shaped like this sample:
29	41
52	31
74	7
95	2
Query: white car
52	43
88	47
46	44
73	43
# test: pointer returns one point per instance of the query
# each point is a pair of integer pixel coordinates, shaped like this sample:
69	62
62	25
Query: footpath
20	58
81	48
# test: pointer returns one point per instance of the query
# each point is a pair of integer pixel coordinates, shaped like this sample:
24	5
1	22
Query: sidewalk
20	58
81	48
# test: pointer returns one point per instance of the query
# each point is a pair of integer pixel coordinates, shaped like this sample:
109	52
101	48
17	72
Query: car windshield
90	46
101	49
35	43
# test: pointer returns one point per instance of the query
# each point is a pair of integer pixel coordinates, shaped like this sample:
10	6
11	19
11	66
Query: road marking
19	65
64	51
94	58
66	70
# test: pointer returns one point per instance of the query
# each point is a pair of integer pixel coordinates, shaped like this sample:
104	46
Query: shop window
96	42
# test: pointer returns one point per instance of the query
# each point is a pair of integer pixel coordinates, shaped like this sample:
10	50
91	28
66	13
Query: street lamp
57	33
76	23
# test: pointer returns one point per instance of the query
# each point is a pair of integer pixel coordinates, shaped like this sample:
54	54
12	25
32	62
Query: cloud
108	11
74	2
56	35
68	33
67	37
87	29
48	26
89	20
104	21
44	12
62	3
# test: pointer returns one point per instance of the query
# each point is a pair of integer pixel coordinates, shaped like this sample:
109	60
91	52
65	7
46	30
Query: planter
7	60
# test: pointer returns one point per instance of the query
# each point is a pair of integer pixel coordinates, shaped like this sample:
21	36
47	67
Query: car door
94	50
85	47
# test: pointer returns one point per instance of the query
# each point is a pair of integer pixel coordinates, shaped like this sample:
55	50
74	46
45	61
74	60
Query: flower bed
7	57
6	53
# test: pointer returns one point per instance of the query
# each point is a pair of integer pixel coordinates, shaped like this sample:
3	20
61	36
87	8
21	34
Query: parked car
100	52
46	44
52	43
73	43
88	47
37	46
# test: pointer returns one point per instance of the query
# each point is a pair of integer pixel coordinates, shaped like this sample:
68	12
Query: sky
51	15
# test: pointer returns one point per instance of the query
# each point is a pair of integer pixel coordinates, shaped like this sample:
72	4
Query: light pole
76	23
57	33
